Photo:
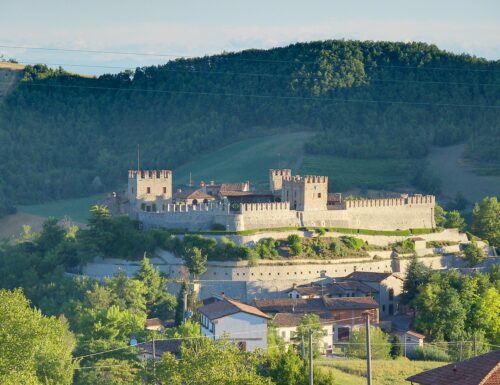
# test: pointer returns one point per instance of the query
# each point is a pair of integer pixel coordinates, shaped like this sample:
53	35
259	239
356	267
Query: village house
339	316
192	197
334	289
244	324
389	287
410	341
480	370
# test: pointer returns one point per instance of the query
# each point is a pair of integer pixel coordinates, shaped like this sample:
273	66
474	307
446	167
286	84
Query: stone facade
304	203
276	179
148	190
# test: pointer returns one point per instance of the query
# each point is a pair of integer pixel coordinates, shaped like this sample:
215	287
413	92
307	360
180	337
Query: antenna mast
138	158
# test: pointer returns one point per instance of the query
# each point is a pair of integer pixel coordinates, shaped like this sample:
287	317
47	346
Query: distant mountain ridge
64	135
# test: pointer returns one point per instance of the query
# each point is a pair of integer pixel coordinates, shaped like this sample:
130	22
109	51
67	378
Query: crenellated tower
276	179
149	186
305	193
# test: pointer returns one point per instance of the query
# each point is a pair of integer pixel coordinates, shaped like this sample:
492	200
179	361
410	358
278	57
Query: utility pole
154	361
368	350
185	300
311	379
303	349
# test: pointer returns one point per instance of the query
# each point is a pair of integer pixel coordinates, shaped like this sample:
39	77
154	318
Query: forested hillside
63	135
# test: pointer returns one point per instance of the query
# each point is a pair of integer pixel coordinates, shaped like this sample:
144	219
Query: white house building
244	324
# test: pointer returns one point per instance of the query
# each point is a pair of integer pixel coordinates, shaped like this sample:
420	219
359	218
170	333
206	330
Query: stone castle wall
372	214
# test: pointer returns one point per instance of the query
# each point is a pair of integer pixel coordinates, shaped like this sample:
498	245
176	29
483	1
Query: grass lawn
458	176
77	209
248	159
345	174
384	372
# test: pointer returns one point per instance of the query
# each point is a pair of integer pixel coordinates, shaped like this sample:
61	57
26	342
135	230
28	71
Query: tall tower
305	193
149	186
276	179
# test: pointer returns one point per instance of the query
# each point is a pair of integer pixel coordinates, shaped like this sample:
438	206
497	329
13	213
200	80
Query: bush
353	243
218	227
473	254
430	353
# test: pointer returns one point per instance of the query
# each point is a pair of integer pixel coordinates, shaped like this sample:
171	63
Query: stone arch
195	202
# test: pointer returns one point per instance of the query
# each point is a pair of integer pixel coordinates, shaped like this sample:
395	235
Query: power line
217	57
260	74
282	97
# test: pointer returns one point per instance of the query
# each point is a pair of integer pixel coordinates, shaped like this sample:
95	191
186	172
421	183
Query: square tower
305	193
276	179
149	186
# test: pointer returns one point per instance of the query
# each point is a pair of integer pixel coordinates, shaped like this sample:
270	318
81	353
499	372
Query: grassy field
249	159
384	372
76	209
346	173
458	176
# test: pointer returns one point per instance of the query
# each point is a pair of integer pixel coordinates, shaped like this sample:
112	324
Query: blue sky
193	28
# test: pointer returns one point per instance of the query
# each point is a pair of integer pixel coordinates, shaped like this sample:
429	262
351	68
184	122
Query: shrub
292	239
473	254
430	353
353	243
218	227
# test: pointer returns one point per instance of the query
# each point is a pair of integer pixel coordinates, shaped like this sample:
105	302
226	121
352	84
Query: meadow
384	372
347	173
248	159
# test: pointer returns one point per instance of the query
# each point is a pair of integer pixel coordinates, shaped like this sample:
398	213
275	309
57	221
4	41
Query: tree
159	302
486	220
395	347
473	254
37	347
179	309
310	322
488	316
454	220
195	261
110	371
380	346
206	362
417	274
295	244
439	216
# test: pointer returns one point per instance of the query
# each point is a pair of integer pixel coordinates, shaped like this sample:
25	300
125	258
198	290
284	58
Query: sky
194	28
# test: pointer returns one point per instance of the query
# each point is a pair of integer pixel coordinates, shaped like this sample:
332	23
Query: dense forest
63	135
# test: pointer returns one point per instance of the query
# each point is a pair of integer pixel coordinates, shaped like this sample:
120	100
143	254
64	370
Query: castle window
319	195
164	190
391	294
148	190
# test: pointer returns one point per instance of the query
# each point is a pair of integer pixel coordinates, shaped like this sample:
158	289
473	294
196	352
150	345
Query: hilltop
65	135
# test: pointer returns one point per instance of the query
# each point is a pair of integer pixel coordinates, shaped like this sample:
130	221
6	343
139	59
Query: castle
291	201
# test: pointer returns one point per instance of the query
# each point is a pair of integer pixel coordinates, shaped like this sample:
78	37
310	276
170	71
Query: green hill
248	159
66	136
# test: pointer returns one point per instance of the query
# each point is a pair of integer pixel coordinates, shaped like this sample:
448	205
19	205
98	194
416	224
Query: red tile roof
288	320
226	306
369	276
314	305
481	370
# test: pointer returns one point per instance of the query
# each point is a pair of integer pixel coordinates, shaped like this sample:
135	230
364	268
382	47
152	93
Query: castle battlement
150	174
201	207
281	172
384	202
306	178
269	206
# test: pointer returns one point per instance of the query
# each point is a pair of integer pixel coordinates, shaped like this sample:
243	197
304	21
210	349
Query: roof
193	194
314	305
226	306
369	276
417	239
224	187
153	322
336	288
415	334
288	320
481	370
246	193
